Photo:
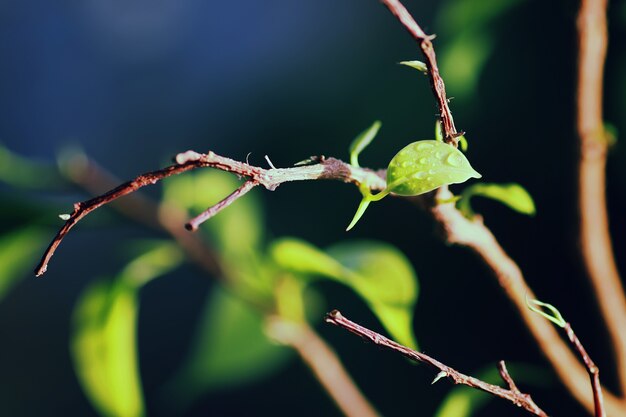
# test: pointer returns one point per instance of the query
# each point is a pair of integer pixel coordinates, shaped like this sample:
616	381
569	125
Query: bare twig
439	89
194	223
513	395
325	364
594	371
327	168
595	239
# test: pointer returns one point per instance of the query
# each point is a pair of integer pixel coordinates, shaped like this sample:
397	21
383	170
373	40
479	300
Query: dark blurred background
134	82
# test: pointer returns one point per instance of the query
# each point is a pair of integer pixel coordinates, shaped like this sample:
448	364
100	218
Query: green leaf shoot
511	195
362	141
418	65
546	310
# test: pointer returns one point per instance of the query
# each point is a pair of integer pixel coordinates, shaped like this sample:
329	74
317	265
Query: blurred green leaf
237	228
385	279
513	196
22	172
104	337
230	348
19	250
299	256
377	272
463	401
465	27
362	141
104	349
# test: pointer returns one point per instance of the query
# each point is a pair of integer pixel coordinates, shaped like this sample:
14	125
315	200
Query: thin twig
595	239
193	224
594	371
513	395
436	82
325	365
326	168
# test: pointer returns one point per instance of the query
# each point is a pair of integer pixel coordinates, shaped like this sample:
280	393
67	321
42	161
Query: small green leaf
157	258
552	313
385	279
418	65
236	229
425	165
230	348
104	349
362	141
18	250
23	172
513	196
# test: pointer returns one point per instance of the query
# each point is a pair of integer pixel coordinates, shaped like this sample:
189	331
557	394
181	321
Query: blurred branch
513	394
325	364
595	238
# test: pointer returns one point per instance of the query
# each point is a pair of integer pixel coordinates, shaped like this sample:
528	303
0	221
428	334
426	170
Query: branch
477	237
595	239
436	82
326	168
513	395
325	364
592	369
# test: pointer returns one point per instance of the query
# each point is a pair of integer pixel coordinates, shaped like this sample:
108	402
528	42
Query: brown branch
326	168
592	369
595	239
325	365
477	237
513	395
193	224
436	82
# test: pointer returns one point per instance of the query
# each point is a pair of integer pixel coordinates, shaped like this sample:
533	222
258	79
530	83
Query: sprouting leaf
513	196
229	349
463	143
104	349
418	168
418	65
18	250
104	338
548	311
238	228
362	141
377	272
